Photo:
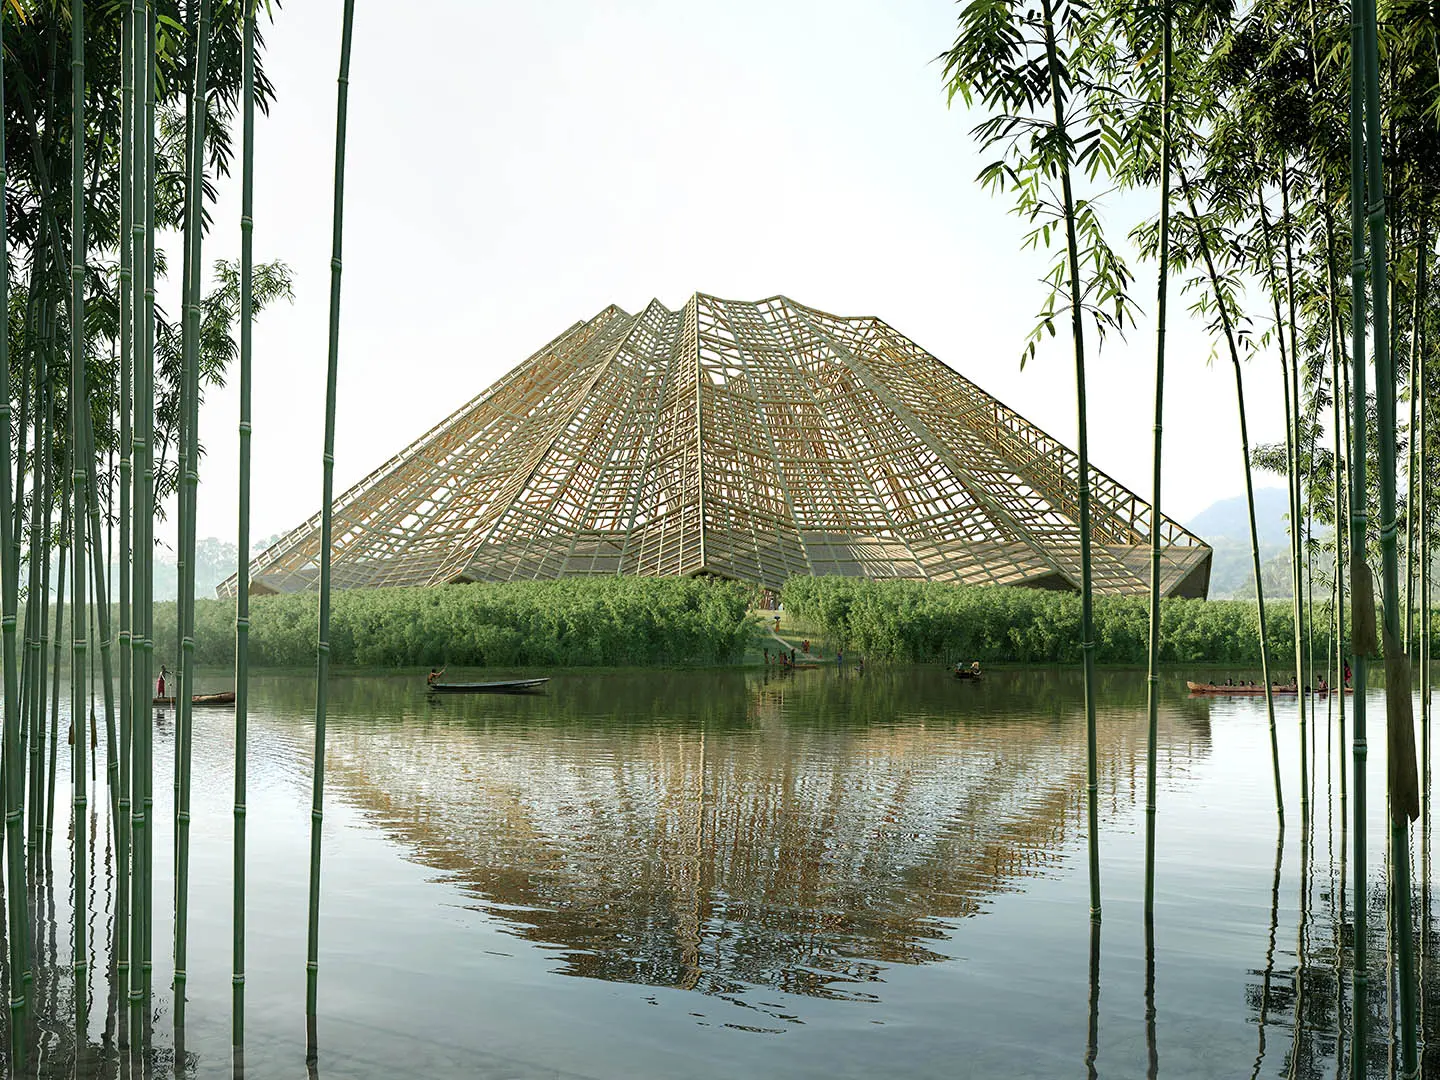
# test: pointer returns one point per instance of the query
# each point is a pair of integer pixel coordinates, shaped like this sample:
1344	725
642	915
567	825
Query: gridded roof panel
748	440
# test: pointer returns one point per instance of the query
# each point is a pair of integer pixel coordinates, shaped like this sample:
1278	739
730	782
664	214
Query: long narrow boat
512	686
1253	691
225	697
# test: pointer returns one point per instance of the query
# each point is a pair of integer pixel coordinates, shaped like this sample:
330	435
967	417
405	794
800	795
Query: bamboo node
240	809
312	966
245	427
317	815
237	980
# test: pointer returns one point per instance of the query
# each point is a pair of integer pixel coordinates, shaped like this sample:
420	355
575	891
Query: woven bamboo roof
753	441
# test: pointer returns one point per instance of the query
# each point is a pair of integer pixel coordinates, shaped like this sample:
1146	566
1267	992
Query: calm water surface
724	874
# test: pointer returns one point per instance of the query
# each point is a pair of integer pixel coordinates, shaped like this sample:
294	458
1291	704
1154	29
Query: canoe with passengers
1256	691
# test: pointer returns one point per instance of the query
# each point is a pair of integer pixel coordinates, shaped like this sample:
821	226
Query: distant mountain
1225	526
1228	519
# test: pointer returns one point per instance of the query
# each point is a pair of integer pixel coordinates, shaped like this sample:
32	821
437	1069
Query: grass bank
574	622
921	622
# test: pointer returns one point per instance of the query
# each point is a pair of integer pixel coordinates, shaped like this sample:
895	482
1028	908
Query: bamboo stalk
16	889
190	479
65	541
79	398
322	651
1153	695
1293	437
1082	450
242	602
1249	492
40	565
1412	481
1359	509
142	823
1385	393
130	245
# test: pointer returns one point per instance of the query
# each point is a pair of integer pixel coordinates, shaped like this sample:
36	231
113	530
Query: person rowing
433	676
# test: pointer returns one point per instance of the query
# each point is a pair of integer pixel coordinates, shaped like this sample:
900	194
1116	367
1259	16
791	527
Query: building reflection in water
716	832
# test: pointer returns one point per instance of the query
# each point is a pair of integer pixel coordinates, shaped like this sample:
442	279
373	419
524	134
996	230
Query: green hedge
607	621
922	621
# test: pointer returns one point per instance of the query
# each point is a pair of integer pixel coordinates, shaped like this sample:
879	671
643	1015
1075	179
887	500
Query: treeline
920	622
611	621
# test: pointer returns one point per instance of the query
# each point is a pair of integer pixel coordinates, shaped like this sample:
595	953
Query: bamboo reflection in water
1092	1043
1152	1046
1262	1000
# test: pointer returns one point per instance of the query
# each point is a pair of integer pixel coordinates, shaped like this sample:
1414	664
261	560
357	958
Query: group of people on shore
787	659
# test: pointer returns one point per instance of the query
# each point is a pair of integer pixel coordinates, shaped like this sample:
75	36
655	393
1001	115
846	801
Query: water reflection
717	832
808	854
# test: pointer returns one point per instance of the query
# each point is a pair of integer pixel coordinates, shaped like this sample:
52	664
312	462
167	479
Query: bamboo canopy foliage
100	386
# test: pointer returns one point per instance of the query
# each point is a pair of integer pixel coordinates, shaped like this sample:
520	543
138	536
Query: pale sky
537	162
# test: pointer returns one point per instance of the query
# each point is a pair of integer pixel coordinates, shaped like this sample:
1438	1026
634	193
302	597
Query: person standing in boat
433	676
160	681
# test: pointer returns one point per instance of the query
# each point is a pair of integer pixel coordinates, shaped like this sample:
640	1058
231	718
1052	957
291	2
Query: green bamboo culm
55	685
1293	437
79	401
143	647
1412	479
1399	725
129	246
1234	351
1358	512
322	651
242	607
16	888
40	578
190	480
1152	703
1077	329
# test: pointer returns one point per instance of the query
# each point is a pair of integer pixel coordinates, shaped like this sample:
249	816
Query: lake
725	873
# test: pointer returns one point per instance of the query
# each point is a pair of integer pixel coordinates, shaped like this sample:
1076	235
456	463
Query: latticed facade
753	441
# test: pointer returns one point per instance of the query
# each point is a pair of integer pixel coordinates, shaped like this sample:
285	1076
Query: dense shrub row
921	621
575	621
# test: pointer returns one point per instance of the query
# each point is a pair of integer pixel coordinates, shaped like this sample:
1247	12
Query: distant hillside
1225	526
1228	520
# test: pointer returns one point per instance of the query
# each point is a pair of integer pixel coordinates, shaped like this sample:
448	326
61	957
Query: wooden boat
965	673
225	697
1253	691
511	686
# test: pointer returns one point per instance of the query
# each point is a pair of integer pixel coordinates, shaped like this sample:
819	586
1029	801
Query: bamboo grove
107	353
1258	133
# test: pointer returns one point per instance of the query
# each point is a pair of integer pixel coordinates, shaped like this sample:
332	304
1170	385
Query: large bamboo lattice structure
746	440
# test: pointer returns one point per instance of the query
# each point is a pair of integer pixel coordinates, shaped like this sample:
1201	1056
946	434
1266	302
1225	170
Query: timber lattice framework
753	441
